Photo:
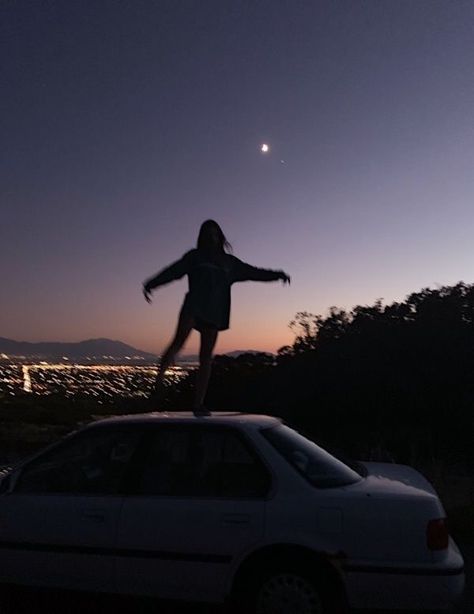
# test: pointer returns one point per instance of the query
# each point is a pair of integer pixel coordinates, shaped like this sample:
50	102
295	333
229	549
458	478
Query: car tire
282	590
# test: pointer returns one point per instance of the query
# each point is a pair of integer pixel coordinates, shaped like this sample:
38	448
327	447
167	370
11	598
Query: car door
196	504
58	521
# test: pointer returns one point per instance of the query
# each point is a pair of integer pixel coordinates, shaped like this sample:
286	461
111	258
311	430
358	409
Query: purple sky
125	124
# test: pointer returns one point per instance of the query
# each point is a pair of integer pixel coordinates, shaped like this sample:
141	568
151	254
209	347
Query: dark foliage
383	380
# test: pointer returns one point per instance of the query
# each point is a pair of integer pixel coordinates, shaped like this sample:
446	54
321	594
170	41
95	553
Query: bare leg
208	341
185	325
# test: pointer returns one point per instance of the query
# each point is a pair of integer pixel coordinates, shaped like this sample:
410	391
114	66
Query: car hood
403	474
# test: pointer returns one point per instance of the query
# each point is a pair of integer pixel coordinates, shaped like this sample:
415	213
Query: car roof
241	419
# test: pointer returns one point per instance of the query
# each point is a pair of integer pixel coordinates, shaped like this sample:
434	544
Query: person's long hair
206	241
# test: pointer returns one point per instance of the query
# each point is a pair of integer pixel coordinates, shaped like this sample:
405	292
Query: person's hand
147	294
286	279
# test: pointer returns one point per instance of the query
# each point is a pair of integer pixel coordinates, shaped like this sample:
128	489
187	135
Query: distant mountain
98	349
237	353
193	358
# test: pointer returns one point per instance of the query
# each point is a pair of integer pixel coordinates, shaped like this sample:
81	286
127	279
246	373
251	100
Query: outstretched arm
247	272
165	276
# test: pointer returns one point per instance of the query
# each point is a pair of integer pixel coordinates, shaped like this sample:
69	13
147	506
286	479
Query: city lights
97	381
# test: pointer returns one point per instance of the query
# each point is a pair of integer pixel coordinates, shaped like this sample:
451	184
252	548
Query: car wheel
287	592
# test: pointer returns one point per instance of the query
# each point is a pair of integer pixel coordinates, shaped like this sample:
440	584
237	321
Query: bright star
264	148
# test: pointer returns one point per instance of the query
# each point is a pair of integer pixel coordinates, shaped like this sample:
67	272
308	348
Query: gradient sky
125	124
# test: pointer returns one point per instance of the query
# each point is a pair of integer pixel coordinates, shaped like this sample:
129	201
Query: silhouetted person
211	272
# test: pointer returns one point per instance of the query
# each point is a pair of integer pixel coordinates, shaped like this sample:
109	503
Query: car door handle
97	515
236	518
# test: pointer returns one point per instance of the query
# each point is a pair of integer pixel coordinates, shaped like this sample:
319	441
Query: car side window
202	462
89	463
165	466
228	467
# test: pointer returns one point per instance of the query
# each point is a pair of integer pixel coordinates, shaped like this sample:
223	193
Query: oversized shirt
210	277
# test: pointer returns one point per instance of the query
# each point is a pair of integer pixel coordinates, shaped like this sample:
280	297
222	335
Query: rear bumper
434	587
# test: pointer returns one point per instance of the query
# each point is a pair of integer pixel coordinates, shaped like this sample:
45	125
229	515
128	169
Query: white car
229	507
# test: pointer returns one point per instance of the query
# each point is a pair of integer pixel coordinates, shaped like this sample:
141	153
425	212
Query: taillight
437	535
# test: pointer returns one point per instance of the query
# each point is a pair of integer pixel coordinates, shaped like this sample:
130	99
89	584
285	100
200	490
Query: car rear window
319	467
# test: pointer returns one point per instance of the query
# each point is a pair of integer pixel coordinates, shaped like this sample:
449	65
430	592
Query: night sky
125	124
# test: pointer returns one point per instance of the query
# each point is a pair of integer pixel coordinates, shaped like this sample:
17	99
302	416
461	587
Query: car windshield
319	467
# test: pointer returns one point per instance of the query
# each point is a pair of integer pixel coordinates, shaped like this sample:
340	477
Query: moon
264	148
